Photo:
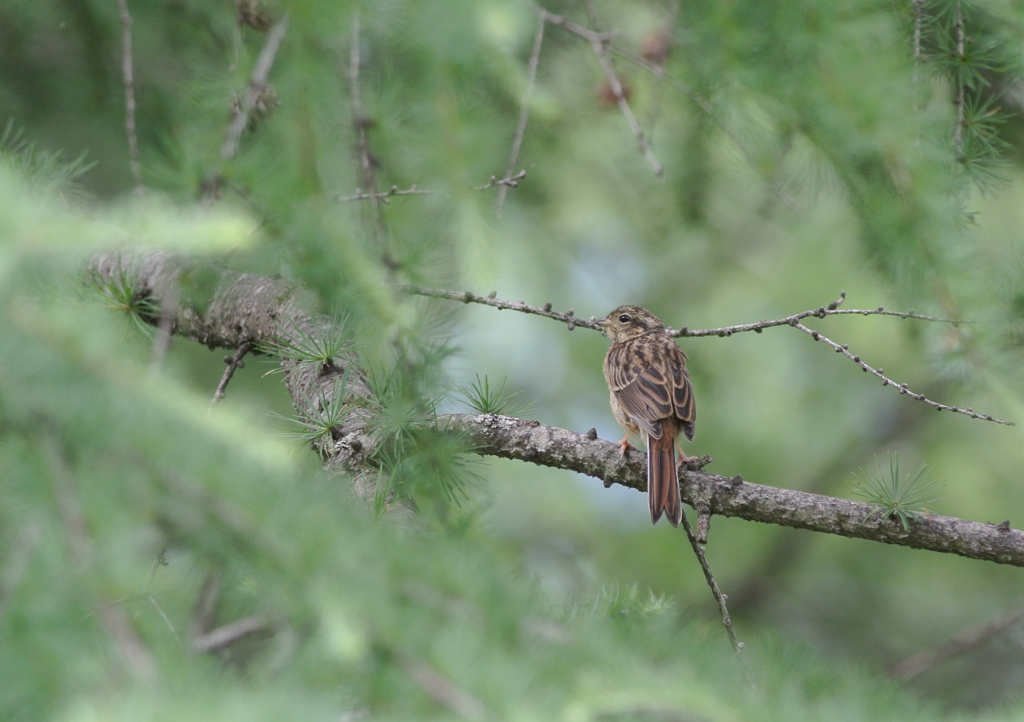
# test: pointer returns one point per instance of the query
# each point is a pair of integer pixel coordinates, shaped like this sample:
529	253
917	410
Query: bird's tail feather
662	480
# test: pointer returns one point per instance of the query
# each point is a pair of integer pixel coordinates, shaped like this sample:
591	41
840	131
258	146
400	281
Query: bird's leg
624	444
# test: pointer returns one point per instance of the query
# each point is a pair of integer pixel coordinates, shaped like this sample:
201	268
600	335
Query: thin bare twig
510	181
592	15
963	642
129	95
163	616
384	195
586	33
524	110
737	645
359	119
230	633
243	109
257	85
832	309
366	164
205	608
656	48
961	84
234	361
599	42
413	190
821	312
491	300
705	105
696	97
918	9
569	317
886	381
158	561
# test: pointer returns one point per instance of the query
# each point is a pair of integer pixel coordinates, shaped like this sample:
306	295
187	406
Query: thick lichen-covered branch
224	309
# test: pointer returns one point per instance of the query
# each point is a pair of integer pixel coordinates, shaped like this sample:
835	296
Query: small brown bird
651	398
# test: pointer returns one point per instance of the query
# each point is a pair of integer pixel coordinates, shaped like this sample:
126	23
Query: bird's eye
624	318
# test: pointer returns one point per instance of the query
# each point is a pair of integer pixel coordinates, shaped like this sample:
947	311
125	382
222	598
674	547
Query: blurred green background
875	193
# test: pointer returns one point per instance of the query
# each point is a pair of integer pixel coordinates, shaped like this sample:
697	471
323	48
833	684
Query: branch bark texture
513	438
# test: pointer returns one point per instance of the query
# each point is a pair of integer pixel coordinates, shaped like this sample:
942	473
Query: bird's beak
604	323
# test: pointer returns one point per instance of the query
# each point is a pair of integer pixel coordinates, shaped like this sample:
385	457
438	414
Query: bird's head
628	322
